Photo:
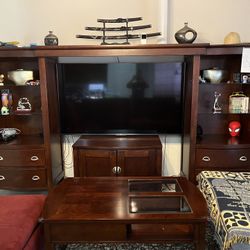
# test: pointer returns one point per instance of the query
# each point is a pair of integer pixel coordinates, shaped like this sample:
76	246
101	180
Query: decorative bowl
20	76
215	75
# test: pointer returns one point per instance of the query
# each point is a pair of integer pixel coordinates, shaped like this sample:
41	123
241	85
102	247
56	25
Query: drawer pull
206	158
2	178
1	158
243	158
35	178
34	158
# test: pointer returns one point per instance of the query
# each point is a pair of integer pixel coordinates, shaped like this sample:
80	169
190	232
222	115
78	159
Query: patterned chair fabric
228	199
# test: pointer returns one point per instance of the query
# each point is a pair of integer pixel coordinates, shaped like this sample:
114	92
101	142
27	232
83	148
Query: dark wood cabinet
33	159
117	156
210	145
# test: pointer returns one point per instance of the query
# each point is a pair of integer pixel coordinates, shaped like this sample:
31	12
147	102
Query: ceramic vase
185	35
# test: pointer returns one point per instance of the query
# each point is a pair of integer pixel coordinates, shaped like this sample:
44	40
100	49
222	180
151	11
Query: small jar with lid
50	39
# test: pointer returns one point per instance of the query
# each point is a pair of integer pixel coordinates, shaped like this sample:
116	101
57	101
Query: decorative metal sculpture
125	29
217	108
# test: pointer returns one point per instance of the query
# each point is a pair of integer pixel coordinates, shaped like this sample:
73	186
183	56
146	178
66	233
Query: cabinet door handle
118	170
34	158
2	178
114	169
35	178
243	158
206	158
1	158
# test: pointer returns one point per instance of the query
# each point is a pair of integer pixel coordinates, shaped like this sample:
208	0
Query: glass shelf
158	204
163	186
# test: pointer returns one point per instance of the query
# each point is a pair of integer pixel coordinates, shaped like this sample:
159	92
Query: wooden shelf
222	113
222	141
26	141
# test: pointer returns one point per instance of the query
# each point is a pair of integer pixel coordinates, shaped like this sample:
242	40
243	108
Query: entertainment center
144	106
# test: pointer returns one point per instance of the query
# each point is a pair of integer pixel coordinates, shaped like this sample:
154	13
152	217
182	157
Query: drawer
15	178
33	157
223	158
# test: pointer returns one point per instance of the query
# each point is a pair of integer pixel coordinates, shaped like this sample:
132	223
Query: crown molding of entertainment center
122	50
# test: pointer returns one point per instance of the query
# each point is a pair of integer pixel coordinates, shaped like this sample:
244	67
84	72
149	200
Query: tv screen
131	98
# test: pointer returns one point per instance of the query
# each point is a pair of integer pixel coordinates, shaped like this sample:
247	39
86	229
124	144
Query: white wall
28	21
212	19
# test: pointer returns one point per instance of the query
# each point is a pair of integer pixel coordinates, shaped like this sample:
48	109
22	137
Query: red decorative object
234	128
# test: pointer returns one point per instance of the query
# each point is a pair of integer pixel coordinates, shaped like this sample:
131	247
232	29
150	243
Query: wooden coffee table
123	209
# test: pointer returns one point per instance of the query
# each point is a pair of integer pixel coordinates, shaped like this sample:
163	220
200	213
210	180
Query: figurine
234	128
6	98
23	104
216	107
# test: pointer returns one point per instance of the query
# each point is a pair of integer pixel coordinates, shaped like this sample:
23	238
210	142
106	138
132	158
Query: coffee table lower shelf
88	232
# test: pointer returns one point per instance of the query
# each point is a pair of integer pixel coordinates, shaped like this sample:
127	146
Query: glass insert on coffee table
156	199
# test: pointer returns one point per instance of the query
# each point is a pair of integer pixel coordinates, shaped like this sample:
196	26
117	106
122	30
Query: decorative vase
182	36
50	39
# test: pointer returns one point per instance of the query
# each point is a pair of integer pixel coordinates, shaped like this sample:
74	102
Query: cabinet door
96	162
141	162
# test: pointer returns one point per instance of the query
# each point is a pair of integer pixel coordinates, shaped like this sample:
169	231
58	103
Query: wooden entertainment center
33	160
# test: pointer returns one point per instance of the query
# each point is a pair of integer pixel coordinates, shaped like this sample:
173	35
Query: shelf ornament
123	28
238	103
23	105
7	134
216	107
6	98
185	34
234	128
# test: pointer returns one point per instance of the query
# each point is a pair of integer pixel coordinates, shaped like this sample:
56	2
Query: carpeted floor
211	245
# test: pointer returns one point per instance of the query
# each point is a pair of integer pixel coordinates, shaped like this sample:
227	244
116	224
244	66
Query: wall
28	21
213	19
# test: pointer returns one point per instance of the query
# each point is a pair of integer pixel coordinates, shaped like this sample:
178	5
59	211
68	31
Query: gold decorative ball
232	38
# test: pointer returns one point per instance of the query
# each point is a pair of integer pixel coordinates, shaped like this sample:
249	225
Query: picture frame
245	78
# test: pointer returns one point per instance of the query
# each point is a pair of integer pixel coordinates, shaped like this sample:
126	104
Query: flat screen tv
117	98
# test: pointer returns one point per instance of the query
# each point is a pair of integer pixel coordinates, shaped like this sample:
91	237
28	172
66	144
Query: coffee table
122	209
